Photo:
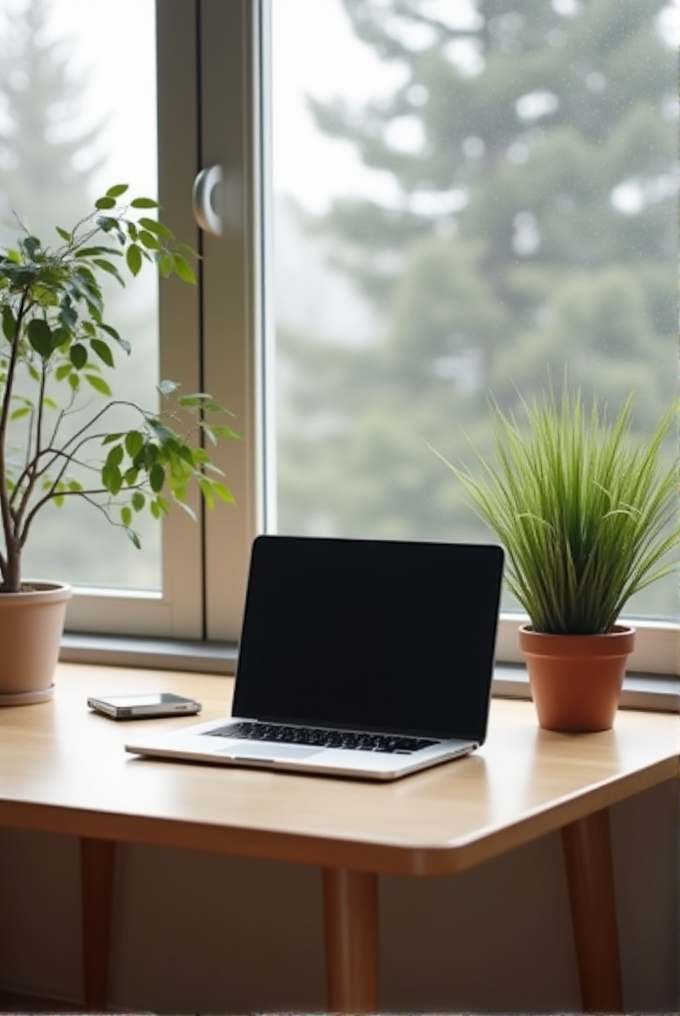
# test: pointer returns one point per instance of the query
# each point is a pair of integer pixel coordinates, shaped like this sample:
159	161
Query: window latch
207	200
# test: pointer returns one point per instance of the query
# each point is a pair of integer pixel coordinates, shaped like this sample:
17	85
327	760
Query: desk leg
588	861
351	930
97	871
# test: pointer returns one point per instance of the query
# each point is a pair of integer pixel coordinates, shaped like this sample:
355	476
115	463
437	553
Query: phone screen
159	699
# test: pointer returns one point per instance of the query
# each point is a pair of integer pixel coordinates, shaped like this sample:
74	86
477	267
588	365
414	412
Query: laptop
359	658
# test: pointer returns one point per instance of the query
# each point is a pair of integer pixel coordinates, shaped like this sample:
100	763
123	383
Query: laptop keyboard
318	737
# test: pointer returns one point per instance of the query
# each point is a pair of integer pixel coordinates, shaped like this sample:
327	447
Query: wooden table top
63	769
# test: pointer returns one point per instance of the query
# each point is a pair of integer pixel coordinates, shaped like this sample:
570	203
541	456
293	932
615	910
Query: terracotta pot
576	680
31	627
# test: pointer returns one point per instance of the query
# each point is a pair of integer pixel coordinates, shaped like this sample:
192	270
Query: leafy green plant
587	514
60	435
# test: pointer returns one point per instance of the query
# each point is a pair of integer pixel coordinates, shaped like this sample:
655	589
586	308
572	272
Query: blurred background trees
47	157
527	224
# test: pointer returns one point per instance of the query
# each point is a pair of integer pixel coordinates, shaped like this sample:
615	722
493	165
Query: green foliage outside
533	228
47	166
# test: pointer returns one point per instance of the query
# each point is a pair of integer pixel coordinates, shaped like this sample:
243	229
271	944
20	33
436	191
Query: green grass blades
587	513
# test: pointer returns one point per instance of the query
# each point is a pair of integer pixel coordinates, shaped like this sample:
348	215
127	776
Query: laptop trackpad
269	752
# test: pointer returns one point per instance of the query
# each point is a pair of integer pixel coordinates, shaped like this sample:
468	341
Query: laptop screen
380	635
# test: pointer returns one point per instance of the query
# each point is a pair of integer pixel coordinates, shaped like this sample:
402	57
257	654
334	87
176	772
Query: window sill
658	693
152	653
654	692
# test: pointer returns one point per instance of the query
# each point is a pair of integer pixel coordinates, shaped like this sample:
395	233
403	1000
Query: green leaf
117	190
184	269
115	456
40	337
131	476
226	432
112	479
78	355
133	257
157	478
134	538
186	453
187	508
166	264
209	432
63	233
138	500
156	227
134	442
149	240
99	384
107	223
110	438
193	400
222	492
9	324
63	371
163	433
68	315
18	413
84	286
123	343
103	352
105	203
143	203
106	266
91	252
207	492
31	244
126	516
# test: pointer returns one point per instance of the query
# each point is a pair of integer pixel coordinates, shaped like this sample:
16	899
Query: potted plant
63	435
588	517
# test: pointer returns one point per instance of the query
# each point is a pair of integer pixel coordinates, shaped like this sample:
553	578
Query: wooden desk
63	770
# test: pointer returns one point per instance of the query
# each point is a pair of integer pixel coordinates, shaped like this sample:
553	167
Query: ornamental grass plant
587	512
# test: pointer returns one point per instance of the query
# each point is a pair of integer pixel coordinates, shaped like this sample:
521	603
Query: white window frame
207	112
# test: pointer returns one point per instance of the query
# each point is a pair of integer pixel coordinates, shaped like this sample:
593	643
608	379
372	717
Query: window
420	202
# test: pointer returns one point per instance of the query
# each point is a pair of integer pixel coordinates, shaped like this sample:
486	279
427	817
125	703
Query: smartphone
132	707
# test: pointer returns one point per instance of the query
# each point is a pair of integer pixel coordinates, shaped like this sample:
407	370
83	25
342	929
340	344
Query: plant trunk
11	578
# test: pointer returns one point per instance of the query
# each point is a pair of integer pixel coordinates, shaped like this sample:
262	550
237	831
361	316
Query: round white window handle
206	197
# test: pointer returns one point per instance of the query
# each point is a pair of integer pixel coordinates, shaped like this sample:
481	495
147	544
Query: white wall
197	933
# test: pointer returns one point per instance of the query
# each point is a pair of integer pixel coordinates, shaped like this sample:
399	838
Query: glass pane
77	115
465	196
